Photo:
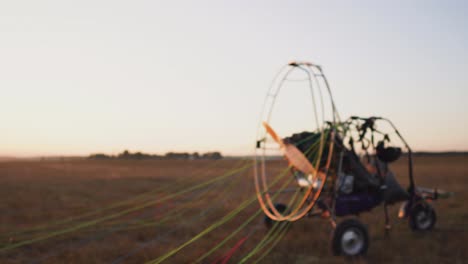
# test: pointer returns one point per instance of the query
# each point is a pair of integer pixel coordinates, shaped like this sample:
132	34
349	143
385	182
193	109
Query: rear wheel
350	238
280	208
422	217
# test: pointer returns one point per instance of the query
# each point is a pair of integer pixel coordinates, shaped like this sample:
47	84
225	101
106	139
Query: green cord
225	219
124	212
137	198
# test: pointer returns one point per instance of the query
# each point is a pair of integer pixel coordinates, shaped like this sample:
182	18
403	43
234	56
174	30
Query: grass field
119	211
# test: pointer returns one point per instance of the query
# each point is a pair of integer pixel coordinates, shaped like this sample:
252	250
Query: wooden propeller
295	157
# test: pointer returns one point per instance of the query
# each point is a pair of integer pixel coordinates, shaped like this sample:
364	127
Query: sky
81	77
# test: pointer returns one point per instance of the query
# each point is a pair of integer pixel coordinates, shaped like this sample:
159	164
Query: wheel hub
423	219
352	242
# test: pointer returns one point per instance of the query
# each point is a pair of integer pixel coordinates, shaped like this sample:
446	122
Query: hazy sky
78	77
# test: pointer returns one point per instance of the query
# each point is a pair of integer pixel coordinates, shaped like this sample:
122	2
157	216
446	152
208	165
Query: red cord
226	257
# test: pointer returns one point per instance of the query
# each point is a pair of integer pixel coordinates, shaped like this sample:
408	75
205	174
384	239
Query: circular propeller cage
299	99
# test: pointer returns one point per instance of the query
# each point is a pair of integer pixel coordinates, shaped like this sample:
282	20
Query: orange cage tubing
295	214
292	215
317	194
294	158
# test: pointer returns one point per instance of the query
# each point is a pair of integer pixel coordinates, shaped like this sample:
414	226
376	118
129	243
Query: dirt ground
123	211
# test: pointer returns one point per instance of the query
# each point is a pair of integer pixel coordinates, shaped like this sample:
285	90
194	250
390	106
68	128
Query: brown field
89	211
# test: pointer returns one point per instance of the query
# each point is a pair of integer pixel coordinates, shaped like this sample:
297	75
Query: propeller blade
273	134
296	158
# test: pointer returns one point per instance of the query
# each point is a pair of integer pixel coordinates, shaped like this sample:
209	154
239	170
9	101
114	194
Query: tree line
170	155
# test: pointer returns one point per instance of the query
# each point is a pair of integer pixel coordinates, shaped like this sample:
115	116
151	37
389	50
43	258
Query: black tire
422	217
280	208
350	238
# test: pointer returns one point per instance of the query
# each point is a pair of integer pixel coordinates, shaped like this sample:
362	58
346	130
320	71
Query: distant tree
124	155
169	155
99	156
212	155
175	155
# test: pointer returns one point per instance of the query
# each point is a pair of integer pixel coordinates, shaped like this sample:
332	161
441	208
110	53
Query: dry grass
41	193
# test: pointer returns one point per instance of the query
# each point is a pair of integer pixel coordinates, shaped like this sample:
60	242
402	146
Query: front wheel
350	238
422	217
